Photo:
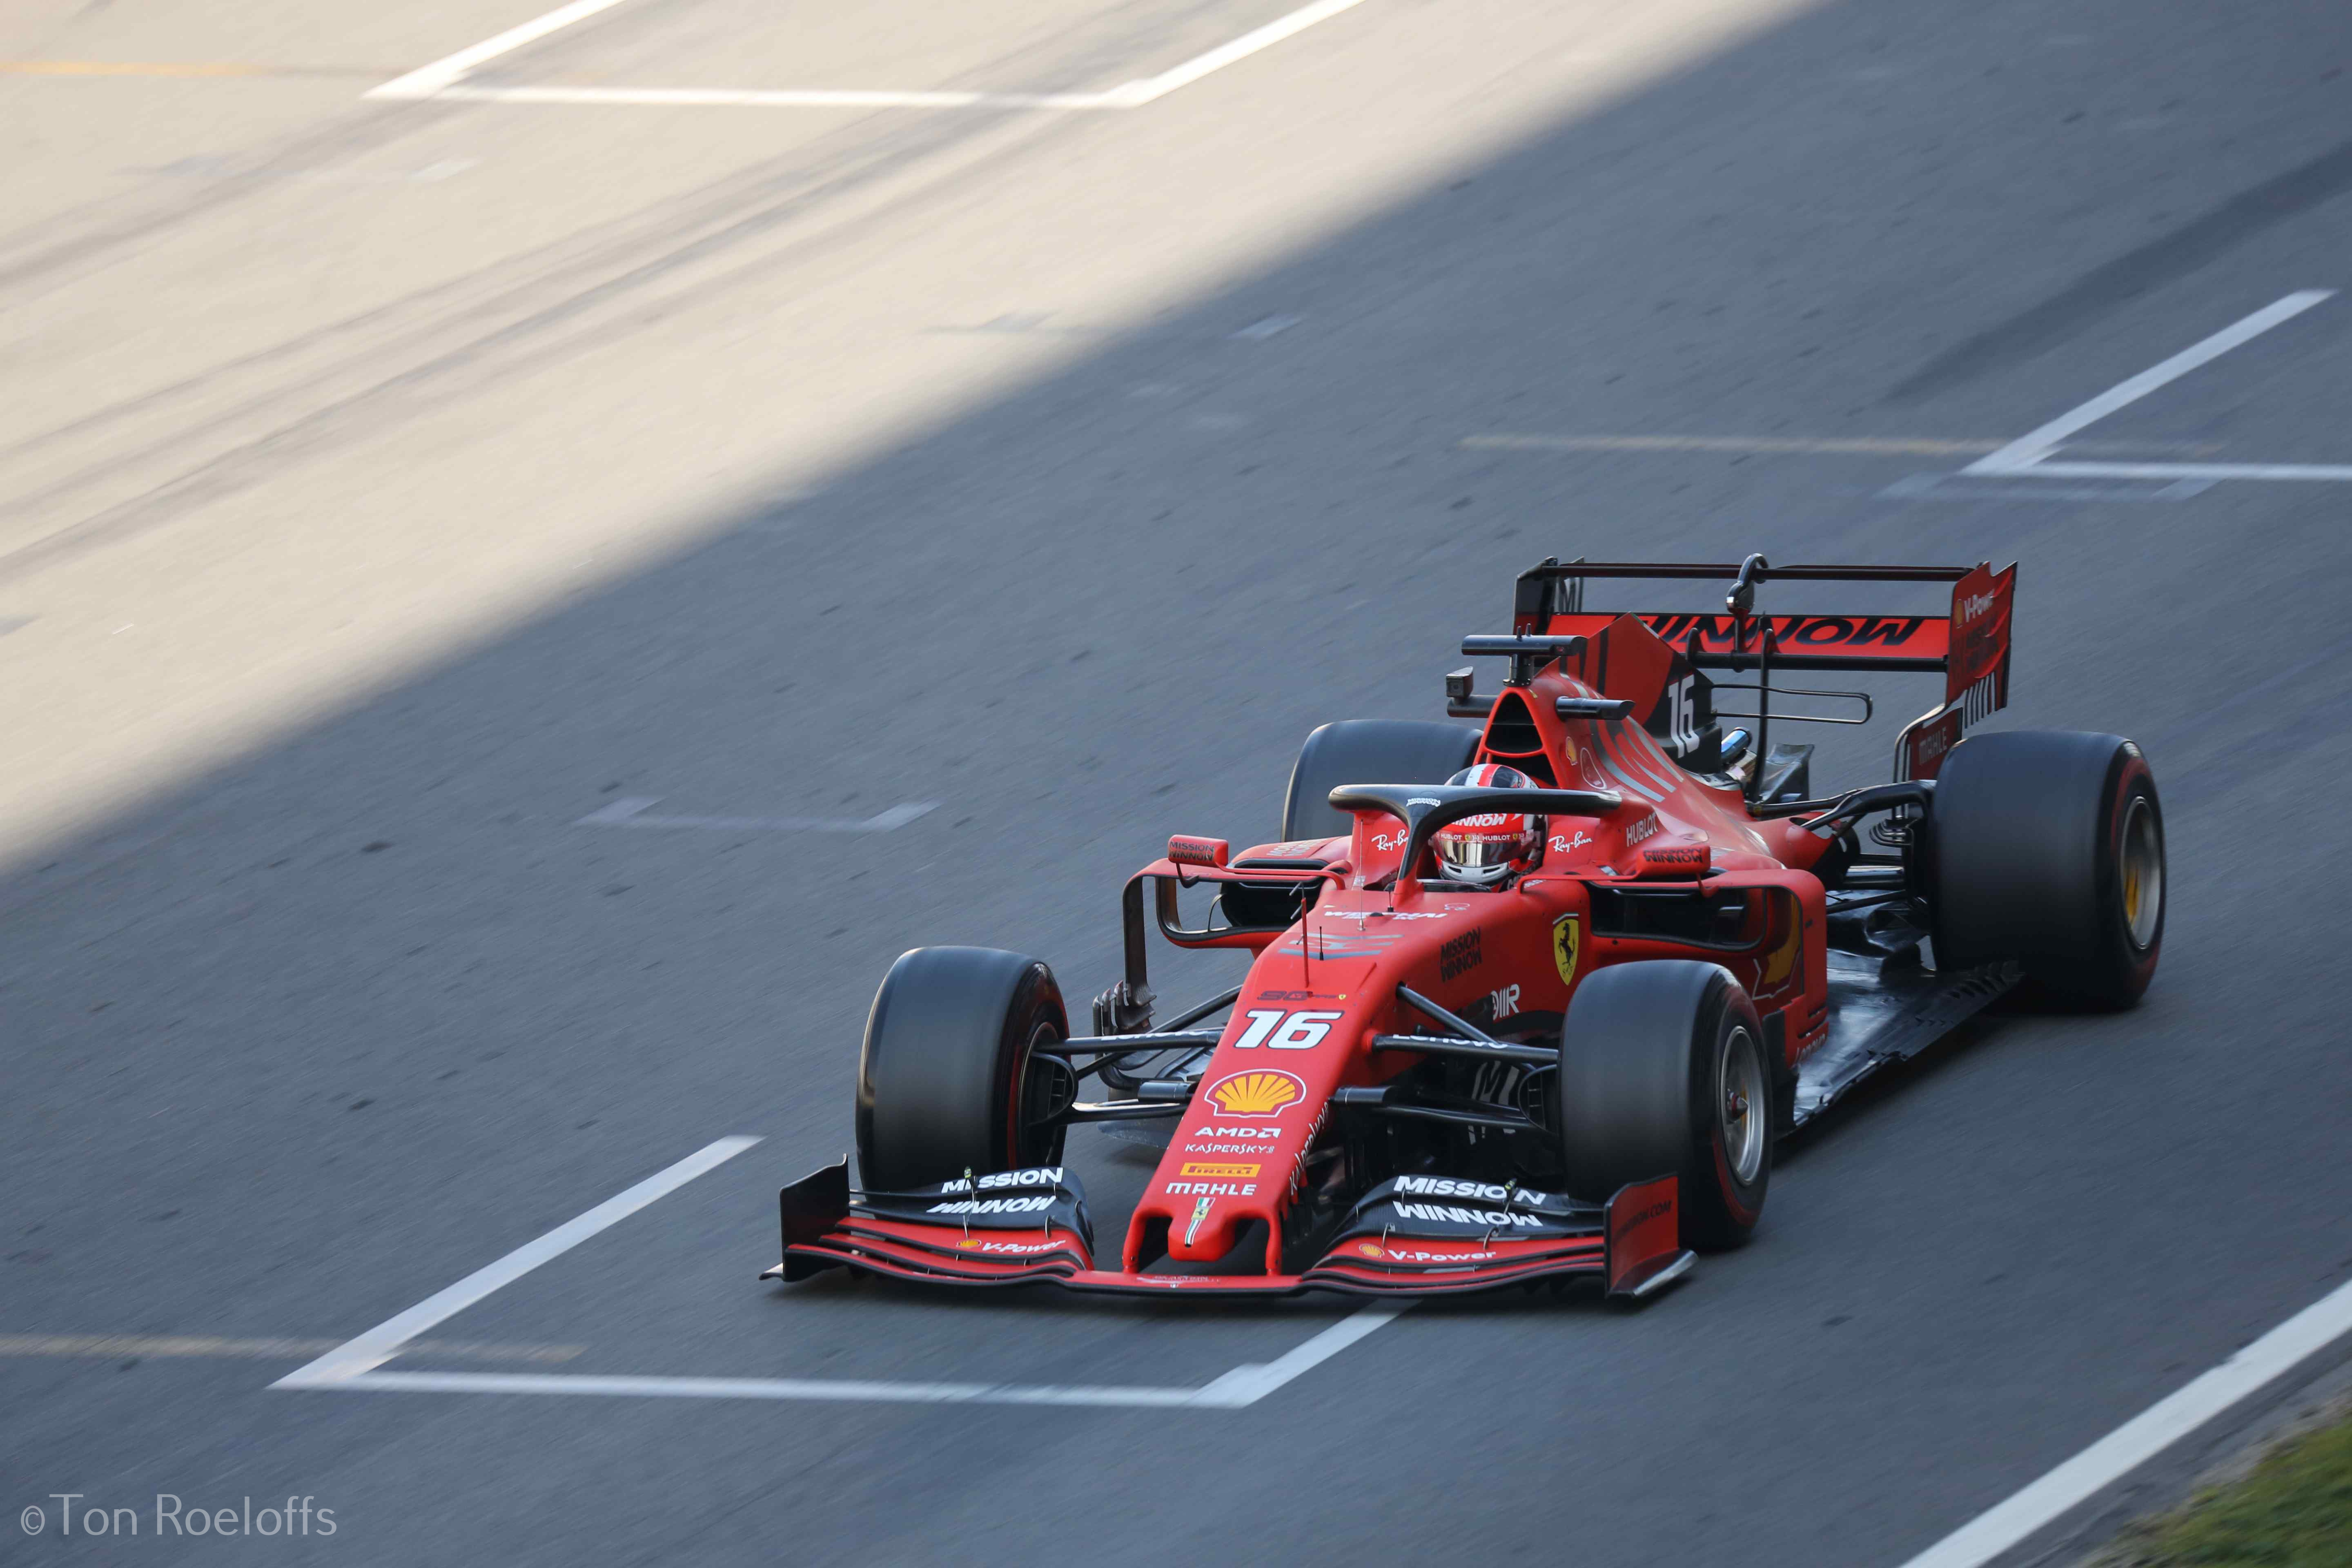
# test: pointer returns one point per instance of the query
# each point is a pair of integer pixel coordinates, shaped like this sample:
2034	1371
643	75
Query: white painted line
2332	473
2143	1437
1135	94
1248	1384
2025	453
1236	1390
443	77
427	80
2024	488
629	811
379	1344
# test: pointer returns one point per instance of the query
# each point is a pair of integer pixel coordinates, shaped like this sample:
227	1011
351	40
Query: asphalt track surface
388	486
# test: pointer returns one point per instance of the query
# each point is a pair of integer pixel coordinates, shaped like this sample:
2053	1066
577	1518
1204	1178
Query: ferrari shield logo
1563	948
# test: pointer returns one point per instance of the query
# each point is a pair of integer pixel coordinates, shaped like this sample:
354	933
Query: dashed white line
1272	326
2143	1437
629	811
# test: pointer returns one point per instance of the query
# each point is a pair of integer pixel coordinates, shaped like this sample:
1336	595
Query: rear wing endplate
1969	646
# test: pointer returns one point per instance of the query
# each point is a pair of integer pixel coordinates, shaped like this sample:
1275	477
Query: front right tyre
1663	1071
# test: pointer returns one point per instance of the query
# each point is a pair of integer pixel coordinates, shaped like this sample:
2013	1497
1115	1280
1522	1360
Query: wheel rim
2143	873
1741	1105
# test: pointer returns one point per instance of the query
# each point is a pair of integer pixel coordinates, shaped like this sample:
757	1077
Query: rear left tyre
1664	1071
957	1071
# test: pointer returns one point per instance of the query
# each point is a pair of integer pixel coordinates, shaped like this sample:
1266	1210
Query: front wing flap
1410	1236
1001	1228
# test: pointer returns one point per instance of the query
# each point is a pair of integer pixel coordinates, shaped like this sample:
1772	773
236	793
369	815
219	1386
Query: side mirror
1186	850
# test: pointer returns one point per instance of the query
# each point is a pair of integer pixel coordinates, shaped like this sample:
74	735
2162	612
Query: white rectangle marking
379	1344
354	1363
443	77
427	80
629	811
2143	1437
1235	1390
2025	453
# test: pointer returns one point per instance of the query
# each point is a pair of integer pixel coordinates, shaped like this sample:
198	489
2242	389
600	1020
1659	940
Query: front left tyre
959	1071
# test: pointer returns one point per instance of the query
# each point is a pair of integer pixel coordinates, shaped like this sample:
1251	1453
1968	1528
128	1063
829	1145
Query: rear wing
1969	646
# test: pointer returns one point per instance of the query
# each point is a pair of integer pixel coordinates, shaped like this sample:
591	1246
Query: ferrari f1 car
1526	1002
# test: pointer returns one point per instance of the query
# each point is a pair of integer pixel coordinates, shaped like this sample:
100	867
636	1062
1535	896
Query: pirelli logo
1214	1170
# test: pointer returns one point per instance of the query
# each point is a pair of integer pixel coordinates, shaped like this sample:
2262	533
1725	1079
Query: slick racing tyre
1367	750
2047	847
1663	1071
956	1073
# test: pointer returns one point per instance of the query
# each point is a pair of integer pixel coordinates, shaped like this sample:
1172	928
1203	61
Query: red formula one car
1527	1001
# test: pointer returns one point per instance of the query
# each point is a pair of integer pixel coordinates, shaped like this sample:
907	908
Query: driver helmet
1483	851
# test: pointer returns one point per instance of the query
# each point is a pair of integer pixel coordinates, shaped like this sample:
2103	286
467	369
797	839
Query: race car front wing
1414	1236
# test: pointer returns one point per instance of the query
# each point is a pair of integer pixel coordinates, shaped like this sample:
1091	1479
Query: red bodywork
1318	992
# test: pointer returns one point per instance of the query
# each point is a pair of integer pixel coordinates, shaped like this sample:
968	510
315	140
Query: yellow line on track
170	69
114	1345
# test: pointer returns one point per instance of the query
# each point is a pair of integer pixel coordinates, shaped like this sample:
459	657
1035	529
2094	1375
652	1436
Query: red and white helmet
1485	849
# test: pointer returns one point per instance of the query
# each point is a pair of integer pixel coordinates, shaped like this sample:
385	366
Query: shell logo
1261	1092
1369	1248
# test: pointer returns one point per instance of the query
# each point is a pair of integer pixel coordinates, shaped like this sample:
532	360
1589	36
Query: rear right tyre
2047	847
